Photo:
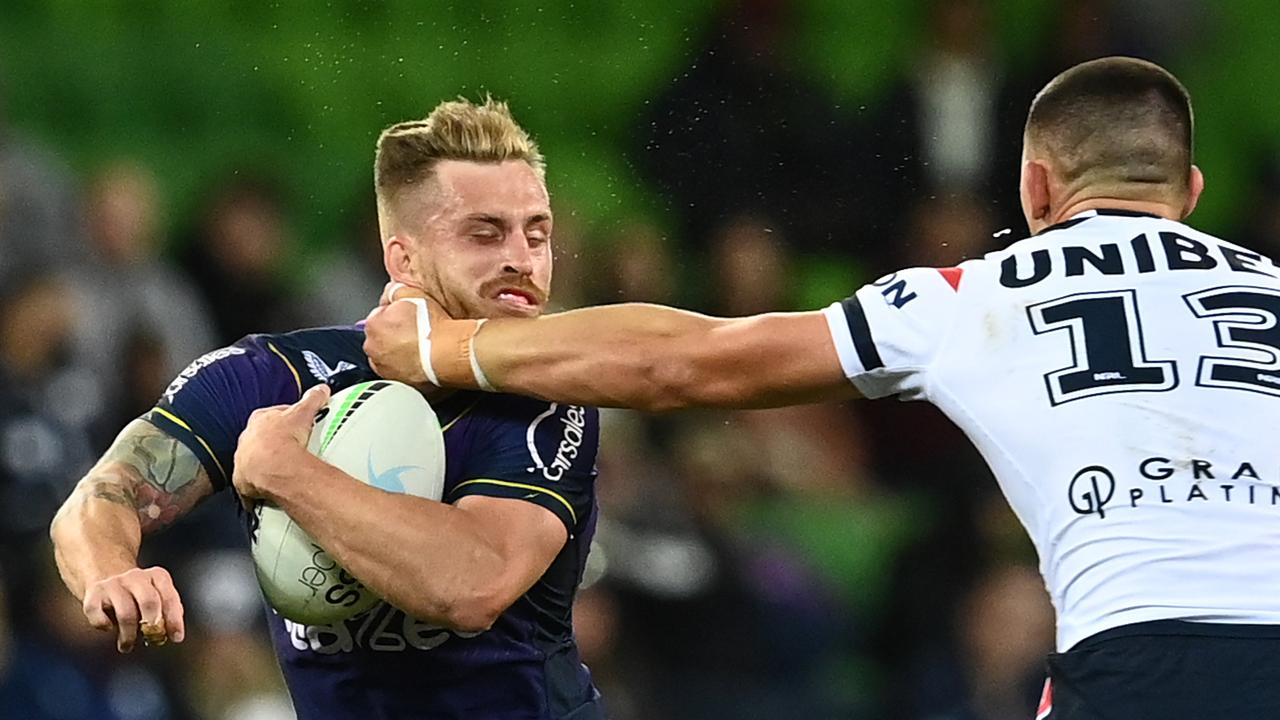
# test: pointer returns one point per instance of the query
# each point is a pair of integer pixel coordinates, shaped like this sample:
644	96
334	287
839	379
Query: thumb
311	401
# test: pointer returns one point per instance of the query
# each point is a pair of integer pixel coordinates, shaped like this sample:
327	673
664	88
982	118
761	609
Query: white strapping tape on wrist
481	380
424	338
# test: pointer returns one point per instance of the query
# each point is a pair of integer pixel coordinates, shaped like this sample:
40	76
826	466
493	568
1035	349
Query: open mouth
517	298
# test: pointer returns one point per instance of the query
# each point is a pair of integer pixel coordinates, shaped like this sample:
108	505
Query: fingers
120	605
150	608
174	614
95	612
136	600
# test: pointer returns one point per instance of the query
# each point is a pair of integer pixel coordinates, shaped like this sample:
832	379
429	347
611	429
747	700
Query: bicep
761	361
527	537
151	472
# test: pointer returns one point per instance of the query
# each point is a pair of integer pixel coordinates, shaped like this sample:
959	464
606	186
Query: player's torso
384	663
1121	375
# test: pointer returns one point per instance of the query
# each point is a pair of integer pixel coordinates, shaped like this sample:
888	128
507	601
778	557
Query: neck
1074	207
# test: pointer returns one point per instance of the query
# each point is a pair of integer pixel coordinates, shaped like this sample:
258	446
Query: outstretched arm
641	356
144	482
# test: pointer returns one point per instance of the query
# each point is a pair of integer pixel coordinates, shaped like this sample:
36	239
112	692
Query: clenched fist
272	450
409	338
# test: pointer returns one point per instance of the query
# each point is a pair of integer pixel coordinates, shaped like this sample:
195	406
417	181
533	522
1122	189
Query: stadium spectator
134	310
938	129
237	259
40	228
341	280
48	414
1005	629
750	266
638	265
741	129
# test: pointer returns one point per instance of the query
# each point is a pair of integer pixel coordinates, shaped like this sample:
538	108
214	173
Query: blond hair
408	152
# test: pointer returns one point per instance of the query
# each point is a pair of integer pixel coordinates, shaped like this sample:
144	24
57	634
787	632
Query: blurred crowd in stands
832	561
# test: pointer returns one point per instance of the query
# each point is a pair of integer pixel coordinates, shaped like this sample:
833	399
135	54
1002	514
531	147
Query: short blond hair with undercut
408	152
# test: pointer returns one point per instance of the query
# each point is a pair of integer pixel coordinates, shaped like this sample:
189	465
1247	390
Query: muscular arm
632	355
457	565
144	482
460	566
657	358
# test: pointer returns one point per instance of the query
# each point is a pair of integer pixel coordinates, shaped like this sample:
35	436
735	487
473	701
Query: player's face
485	245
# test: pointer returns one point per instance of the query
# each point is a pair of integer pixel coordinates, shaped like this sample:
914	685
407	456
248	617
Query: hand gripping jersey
385	664
1120	373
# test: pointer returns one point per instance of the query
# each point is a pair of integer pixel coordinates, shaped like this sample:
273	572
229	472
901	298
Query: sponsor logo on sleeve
196	366
894	290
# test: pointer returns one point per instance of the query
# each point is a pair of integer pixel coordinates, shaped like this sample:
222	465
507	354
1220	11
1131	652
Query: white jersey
1120	373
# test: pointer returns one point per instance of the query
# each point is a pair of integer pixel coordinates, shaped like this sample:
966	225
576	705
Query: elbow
472	619
471	608
471	616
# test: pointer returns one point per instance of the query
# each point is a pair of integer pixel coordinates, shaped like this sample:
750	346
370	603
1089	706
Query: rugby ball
381	433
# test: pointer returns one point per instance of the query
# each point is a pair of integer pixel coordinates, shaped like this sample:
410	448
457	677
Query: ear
1036	178
1195	185
398	260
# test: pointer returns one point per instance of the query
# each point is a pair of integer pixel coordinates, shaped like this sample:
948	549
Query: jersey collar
1086	214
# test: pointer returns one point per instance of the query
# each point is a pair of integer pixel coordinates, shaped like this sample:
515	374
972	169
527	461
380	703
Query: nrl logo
321	369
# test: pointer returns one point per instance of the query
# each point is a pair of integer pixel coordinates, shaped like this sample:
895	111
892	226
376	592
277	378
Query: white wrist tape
481	380
389	292
424	338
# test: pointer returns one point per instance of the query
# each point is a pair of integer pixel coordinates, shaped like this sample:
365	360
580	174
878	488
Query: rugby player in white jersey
1119	371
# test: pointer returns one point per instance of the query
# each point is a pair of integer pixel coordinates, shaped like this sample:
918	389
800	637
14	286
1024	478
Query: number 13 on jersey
1109	353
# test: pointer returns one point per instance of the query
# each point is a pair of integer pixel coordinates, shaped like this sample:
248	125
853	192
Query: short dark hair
1115	121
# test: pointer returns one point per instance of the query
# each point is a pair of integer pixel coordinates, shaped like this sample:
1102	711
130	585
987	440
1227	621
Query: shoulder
317	354
344	340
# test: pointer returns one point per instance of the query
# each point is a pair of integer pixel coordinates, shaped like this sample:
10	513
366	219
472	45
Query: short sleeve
888	333
208	405
539	452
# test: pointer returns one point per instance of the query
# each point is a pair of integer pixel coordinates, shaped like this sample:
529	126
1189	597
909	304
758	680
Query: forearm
96	533
424	557
611	356
145	481
657	358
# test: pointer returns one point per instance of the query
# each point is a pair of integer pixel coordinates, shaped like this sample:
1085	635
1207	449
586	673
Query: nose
517	258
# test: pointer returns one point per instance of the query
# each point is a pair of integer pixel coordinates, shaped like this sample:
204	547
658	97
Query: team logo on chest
321	370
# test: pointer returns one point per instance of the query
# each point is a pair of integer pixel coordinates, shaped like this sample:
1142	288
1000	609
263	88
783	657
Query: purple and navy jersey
383	663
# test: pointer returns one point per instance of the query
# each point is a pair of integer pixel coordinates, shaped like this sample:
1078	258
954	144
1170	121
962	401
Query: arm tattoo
150	471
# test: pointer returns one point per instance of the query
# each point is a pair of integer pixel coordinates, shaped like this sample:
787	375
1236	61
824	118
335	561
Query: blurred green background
848	561
193	88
